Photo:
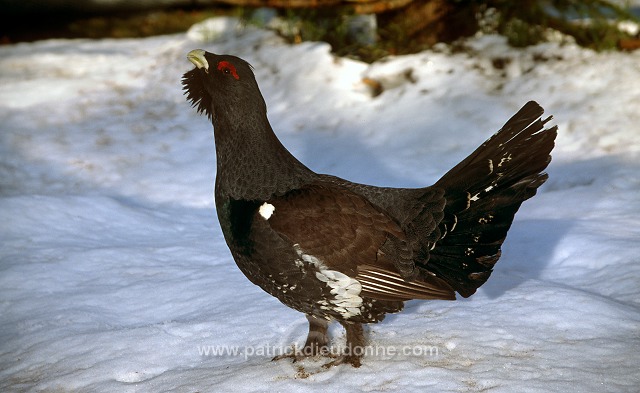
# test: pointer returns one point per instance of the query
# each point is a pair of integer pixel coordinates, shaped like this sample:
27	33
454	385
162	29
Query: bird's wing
342	231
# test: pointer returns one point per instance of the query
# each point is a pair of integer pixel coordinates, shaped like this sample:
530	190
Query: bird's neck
251	162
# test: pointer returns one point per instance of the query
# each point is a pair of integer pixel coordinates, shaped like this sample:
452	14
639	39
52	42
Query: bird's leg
355	346
317	341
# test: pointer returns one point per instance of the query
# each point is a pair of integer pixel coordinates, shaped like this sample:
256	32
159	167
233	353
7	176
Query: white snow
114	275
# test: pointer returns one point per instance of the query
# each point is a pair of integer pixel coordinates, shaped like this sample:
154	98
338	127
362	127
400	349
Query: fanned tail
483	193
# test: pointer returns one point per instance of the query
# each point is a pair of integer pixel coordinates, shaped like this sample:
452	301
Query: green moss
520	33
593	24
139	25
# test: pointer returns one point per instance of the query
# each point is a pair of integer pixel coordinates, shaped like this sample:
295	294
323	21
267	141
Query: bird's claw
355	361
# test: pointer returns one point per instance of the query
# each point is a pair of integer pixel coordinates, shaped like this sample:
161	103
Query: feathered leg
355	346
316	343
317	339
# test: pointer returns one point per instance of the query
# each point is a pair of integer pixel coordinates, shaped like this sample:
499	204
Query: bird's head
222	85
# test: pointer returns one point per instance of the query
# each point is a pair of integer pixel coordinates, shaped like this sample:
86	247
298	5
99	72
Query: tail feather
483	193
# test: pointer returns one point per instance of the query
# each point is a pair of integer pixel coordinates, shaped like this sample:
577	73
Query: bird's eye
227	68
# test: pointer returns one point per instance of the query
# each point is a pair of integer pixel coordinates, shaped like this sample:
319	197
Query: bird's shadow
526	253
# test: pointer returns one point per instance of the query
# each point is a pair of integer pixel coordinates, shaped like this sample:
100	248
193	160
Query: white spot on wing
504	160
266	210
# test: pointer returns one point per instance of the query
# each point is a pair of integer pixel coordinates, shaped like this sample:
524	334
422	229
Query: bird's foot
353	360
308	351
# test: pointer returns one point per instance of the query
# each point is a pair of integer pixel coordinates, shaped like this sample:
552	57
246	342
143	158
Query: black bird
337	250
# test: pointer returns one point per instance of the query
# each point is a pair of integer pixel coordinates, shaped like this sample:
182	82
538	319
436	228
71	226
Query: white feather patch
346	290
347	300
266	210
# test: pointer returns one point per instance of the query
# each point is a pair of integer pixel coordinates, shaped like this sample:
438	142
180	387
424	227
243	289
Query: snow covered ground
114	276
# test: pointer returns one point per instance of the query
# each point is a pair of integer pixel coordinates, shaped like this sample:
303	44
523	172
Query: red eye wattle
228	68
